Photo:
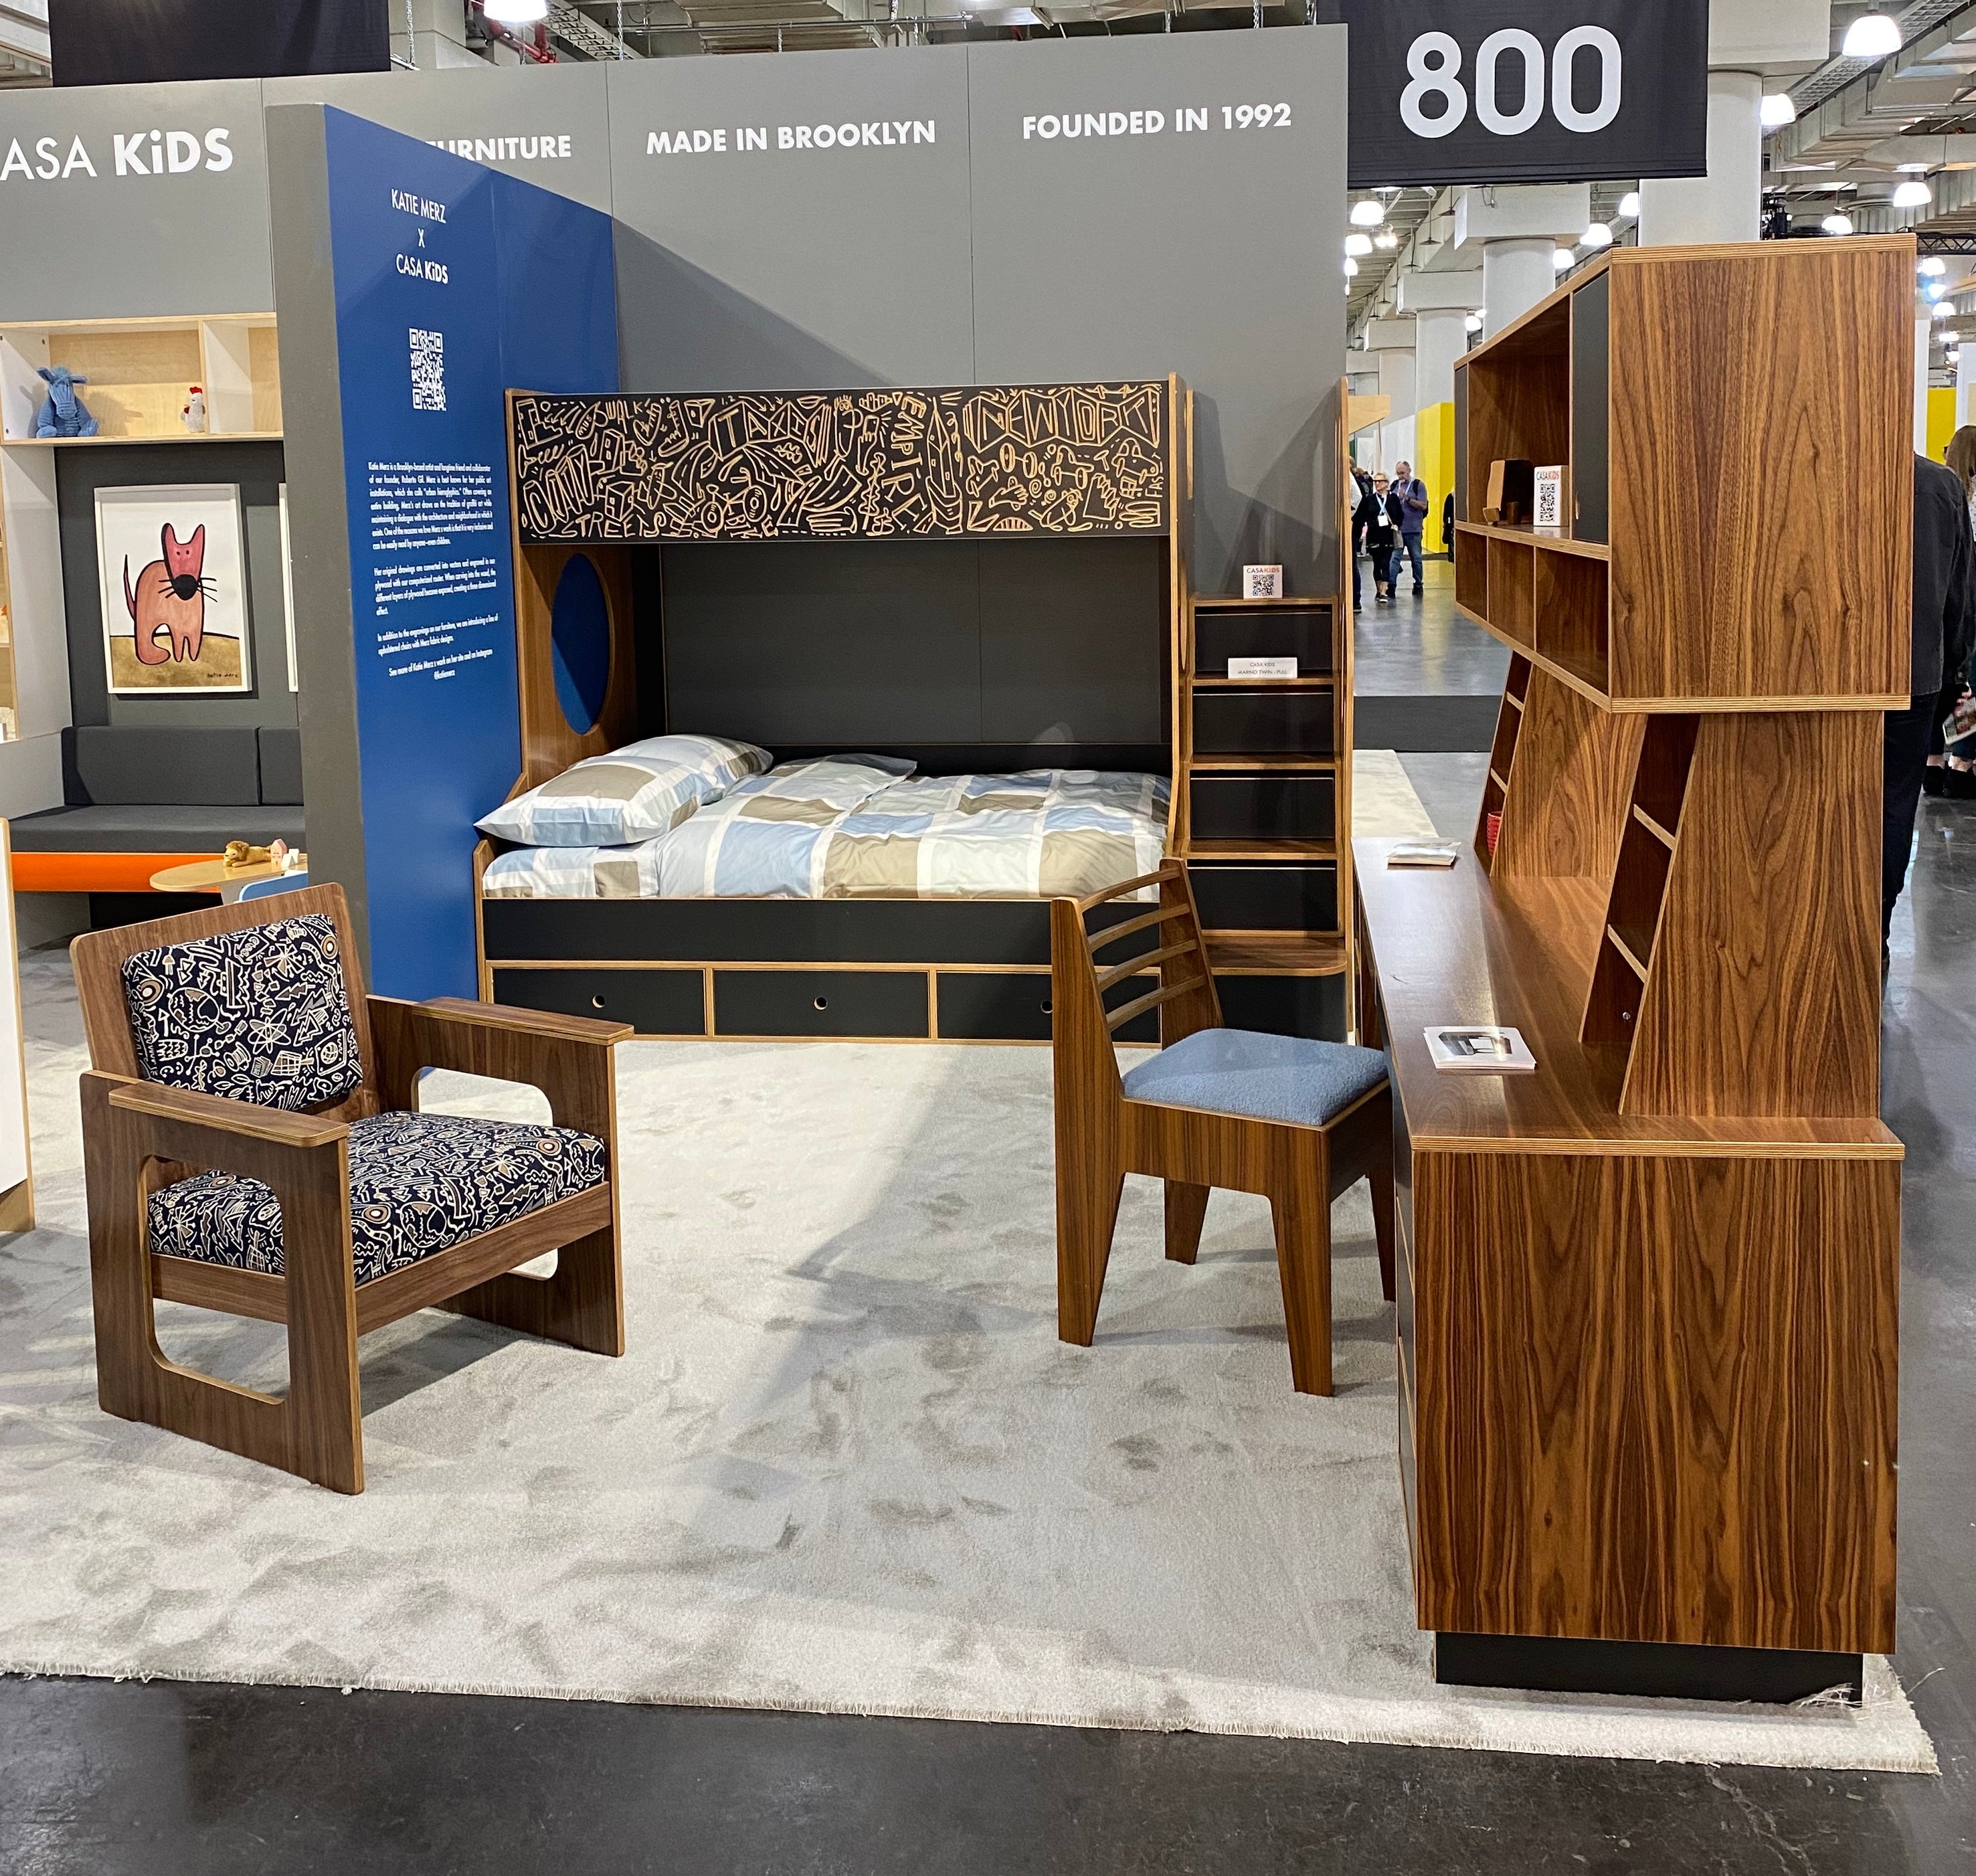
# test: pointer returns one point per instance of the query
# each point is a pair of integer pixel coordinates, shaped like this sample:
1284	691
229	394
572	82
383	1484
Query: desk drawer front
1262	722
847	1003
654	1002
1266	898
1233	807
1268	632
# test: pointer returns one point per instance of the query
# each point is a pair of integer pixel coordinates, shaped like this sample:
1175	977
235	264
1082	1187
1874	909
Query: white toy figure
193	415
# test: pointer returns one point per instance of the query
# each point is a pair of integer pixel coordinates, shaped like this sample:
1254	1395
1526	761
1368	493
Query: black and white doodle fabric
418	1182
258	1014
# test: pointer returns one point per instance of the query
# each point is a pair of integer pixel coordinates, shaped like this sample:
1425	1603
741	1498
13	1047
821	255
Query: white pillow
626	796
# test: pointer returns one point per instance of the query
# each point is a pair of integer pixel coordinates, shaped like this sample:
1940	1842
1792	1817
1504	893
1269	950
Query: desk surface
1453	946
210	876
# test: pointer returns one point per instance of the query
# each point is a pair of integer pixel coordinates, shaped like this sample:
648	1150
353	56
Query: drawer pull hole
596	1002
1048	1006
822	1003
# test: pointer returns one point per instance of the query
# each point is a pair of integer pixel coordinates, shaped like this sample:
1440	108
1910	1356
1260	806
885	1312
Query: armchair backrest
261	1000
1169	940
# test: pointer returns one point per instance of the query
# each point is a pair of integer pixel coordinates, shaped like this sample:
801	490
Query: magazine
1423	853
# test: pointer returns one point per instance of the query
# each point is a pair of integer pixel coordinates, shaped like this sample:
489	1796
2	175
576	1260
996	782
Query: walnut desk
1646	1362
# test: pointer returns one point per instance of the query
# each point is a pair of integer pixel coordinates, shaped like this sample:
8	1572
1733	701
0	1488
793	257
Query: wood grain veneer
1761	479
1569	790
1656	1398
1764	996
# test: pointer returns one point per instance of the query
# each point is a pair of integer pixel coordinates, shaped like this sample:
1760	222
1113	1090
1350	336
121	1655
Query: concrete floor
105	1777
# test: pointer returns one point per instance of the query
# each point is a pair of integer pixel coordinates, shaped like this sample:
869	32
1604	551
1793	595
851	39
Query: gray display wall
960	235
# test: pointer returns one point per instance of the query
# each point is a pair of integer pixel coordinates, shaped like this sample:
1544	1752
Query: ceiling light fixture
1561	259
1777	111
1368	213
1357	244
1473	323
1629	204
1386	239
516	12
1872	35
1350	268
1599	235
1914	193
1837	224
1933	266
1935	289
1941	310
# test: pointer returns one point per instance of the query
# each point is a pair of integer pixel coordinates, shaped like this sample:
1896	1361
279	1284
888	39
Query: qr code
428	370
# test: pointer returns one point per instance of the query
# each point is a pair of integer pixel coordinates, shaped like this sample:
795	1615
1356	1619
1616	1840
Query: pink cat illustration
171	598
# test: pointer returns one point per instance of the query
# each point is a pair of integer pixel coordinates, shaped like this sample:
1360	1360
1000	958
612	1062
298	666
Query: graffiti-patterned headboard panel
1056	459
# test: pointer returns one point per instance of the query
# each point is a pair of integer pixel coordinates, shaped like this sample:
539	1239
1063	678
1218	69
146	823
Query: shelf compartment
1264	806
1572	609
1257	629
1272	897
1263	722
1512	590
140	373
1502	754
1639	881
1471	572
1661	781
1518	398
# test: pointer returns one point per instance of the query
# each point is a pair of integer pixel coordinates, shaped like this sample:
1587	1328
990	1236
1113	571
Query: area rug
845	1467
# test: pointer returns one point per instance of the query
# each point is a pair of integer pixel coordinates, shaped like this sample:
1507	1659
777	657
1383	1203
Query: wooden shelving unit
141	372
1673	1251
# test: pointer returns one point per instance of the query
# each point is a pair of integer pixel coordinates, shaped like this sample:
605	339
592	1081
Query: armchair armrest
569	1058
129	1121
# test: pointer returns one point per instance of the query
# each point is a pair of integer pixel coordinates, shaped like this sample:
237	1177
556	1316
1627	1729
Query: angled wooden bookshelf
1648	1317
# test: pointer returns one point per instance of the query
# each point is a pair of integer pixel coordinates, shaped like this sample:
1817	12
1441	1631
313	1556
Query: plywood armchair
1299	1120
251	1145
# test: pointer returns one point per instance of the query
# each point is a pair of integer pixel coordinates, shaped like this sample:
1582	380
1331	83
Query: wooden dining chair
251	1145
1296	1120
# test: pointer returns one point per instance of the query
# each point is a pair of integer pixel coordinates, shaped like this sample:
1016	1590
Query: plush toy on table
243	853
62	413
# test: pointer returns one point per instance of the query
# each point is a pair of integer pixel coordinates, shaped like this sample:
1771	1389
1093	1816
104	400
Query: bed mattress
835	829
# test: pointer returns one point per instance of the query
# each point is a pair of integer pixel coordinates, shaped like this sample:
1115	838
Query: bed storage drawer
1277	806
654	1002
805	1003
1302	632
1014	1006
1266	898
1262	722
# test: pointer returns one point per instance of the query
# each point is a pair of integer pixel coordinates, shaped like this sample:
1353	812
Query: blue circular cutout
580	643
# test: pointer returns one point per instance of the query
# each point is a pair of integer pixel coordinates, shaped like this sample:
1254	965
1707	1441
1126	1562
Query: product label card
1252	669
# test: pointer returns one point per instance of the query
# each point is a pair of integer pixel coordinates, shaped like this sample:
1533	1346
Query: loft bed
976	582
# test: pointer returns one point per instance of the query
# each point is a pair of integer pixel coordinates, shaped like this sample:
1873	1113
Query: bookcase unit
1649	1294
1262	775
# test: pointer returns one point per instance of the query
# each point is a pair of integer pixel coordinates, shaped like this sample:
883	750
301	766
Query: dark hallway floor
175	1780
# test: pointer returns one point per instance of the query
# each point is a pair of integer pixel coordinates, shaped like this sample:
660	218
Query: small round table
214	876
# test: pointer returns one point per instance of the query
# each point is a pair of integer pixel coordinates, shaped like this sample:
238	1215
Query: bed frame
1263	771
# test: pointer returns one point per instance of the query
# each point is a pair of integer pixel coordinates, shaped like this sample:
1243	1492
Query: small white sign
1255	670
1547	497
1261	583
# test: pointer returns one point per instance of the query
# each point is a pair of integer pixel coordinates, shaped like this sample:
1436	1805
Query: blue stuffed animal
62	413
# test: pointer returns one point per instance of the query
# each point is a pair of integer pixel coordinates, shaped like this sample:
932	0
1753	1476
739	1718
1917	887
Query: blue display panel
452	283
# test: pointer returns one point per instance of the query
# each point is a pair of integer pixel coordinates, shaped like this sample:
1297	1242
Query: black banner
1526	91
137	42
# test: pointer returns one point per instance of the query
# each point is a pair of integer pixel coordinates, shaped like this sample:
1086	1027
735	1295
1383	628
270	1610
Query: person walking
1948	772
1411	493
1379	515
1362	485
1944	633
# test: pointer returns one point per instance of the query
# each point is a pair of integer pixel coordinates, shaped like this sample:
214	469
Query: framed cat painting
173	576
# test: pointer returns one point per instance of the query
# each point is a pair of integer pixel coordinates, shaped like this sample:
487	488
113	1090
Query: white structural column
1390	343
1440	338
1516	231
1726	204
1965	382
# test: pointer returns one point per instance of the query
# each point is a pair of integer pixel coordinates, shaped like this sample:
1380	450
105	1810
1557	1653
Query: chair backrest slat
98	959
1086	1066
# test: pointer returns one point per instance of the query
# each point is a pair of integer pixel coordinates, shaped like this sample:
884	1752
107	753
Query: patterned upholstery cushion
1267	1078
257	1015
418	1183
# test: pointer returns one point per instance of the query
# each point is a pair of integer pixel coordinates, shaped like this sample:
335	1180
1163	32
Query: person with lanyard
1411	493
1361	488
1379	515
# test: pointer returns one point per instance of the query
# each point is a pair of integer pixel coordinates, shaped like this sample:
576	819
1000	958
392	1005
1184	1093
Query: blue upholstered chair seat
1264	1078
418	1184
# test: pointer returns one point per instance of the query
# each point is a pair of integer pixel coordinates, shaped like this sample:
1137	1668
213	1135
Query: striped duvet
837	829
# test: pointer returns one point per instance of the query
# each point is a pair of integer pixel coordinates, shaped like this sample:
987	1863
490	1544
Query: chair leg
582	1303
1187	1209
1087	1213
1303	1265
1381	1179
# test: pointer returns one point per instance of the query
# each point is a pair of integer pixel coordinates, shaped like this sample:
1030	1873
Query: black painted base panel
1671	1670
